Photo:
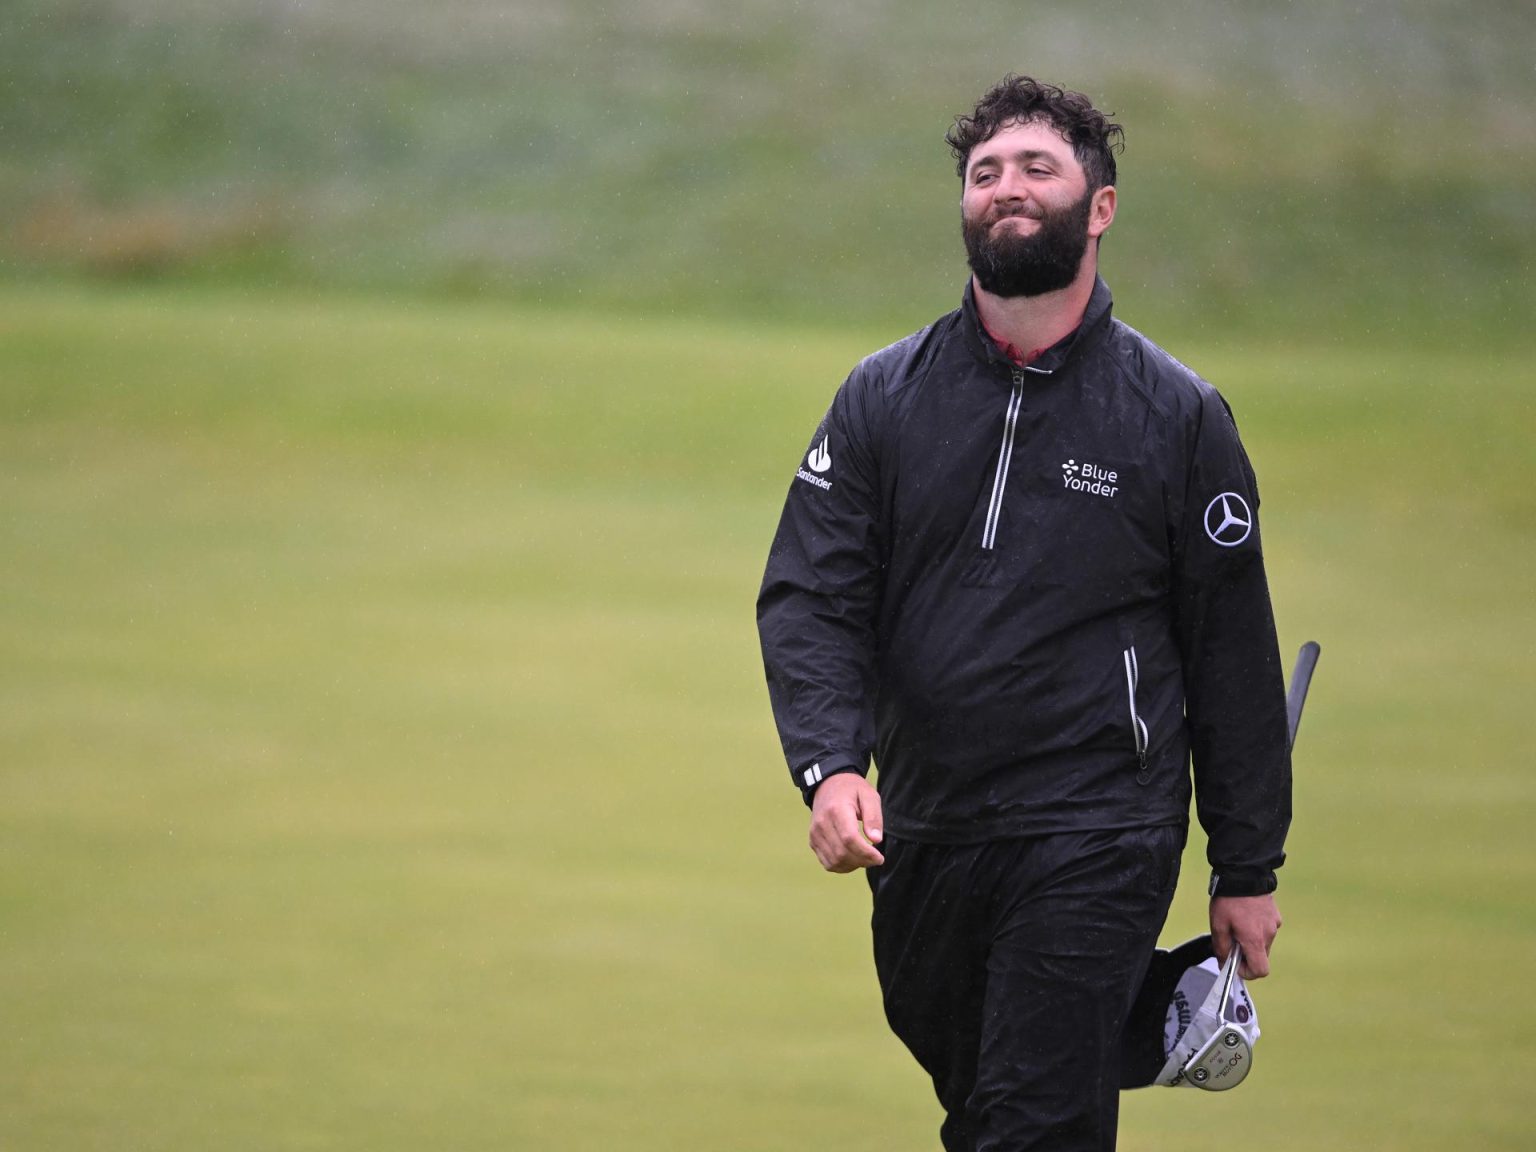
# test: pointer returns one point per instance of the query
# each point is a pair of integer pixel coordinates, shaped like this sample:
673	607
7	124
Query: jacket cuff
1243	882
810	778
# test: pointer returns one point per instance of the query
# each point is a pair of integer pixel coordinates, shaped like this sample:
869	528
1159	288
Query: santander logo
820	459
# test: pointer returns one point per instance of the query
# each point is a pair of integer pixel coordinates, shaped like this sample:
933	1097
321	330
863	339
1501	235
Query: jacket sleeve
1233	684
820	595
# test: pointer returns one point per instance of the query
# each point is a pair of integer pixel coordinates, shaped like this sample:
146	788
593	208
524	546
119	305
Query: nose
1010	186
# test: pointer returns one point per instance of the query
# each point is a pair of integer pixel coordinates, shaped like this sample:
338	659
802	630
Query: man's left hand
1253	922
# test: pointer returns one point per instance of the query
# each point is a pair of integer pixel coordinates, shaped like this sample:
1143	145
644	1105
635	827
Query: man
1020	566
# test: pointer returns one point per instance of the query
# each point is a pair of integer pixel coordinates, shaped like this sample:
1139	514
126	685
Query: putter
1223	1061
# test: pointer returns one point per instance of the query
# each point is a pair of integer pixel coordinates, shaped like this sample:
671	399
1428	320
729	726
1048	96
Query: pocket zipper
1138	726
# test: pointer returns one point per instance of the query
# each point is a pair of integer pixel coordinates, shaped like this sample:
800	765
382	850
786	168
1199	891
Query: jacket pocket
1140	737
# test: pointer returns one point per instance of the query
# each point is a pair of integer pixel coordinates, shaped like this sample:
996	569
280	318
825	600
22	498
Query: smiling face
1027	213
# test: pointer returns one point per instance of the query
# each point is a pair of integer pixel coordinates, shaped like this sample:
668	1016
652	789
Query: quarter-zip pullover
1032	594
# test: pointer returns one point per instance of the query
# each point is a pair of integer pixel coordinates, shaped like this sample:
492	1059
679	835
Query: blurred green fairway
385	764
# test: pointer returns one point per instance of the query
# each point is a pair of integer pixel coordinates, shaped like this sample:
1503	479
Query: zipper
1000	479
1138	726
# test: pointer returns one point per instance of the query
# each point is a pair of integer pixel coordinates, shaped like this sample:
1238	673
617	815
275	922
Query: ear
1101	212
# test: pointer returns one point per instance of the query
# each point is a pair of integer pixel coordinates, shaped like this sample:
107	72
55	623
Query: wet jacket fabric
1033	595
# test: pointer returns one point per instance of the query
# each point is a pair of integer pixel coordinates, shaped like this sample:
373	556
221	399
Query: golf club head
1222	1062
1192	1024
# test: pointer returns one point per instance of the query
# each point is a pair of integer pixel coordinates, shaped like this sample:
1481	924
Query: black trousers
1008	969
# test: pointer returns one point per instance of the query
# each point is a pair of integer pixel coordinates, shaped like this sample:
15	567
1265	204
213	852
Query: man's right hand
840	805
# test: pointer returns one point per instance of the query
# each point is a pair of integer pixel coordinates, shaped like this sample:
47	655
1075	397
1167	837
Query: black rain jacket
1033	595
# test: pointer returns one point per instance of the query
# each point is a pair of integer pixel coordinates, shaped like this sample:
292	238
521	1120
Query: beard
1045	261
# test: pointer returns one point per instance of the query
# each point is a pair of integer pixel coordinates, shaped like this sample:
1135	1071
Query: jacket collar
1053	359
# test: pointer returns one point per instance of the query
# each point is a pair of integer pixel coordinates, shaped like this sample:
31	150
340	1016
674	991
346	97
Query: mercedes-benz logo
1227	520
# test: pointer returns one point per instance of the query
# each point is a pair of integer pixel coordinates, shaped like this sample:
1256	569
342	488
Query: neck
1037	322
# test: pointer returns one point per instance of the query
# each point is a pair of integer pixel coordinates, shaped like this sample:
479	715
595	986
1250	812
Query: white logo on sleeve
1228	520
820	460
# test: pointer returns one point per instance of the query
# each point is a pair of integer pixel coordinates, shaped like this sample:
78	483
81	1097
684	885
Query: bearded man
1020	568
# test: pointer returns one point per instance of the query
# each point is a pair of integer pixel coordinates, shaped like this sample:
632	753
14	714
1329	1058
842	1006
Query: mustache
1008	211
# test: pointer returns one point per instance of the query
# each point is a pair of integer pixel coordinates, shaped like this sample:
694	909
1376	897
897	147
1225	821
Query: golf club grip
1301	680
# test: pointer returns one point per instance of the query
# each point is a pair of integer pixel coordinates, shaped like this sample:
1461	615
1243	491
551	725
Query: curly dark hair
1094	137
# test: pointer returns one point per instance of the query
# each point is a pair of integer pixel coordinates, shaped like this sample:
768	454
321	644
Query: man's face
1026	212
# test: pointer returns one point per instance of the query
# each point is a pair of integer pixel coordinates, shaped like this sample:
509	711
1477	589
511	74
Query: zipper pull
1143	777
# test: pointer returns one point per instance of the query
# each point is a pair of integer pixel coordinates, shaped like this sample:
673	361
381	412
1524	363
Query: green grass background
384	760
1302	167
395	406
